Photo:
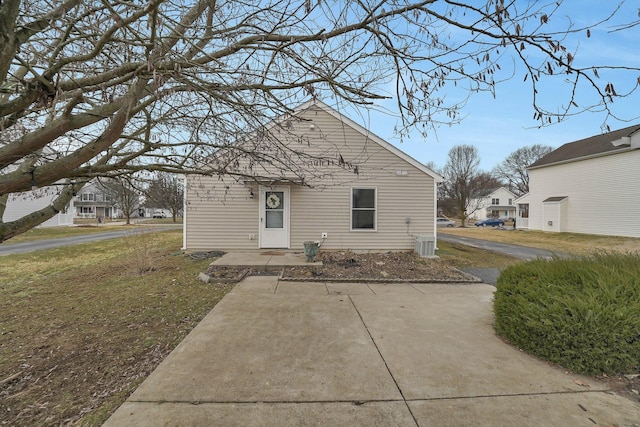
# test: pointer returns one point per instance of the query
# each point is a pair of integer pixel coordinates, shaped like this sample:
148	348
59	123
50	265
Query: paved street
8	248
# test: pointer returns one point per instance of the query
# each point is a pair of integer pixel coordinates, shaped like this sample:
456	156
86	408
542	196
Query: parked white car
445	222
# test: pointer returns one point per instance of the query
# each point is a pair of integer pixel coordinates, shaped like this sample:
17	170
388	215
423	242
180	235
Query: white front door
274	217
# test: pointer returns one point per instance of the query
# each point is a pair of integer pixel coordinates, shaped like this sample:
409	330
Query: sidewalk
292	353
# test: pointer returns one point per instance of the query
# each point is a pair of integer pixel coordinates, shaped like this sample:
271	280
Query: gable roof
594	146
501	188
370	135
491	191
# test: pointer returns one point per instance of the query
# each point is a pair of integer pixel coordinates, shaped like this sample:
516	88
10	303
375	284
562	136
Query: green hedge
582	313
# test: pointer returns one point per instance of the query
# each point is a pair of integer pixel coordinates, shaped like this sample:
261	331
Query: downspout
435	217
184	213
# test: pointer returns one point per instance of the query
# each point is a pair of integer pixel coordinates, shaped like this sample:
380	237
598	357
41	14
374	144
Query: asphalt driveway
275	353
518	251
490	275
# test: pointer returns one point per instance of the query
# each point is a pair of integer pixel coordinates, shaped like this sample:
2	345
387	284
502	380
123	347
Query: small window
88	197
495	201
363	209
510	202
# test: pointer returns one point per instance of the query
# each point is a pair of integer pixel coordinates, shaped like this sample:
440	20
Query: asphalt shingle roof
593	145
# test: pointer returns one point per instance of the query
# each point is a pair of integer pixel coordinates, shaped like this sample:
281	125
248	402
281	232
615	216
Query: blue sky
499	126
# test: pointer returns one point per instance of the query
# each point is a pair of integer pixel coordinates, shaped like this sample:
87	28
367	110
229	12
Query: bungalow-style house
588	186
498	203
21	204
345	187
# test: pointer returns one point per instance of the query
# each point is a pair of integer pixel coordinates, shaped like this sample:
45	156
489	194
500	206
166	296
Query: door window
274	209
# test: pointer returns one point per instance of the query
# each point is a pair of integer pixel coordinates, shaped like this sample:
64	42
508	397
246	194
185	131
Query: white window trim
375	211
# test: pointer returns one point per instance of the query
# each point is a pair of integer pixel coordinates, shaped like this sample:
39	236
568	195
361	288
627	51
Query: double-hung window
363	209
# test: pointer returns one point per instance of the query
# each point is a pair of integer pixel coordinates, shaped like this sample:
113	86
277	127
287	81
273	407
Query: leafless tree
165	191
513	169
465	184
124	193
104	88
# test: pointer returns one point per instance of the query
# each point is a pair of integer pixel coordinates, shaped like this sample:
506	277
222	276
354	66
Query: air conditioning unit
426	246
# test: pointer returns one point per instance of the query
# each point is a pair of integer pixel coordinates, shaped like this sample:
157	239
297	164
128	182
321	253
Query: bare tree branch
102	88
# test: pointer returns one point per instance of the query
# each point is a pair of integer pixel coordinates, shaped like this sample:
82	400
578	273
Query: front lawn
82	326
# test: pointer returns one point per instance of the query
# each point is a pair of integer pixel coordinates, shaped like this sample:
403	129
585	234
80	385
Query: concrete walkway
291	353
264	260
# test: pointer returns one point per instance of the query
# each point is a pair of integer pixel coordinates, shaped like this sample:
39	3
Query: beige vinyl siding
219	218
602	195
326	206
314	212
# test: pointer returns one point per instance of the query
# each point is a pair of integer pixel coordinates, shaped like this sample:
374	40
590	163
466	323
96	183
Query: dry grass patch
82	326
573	243
462	256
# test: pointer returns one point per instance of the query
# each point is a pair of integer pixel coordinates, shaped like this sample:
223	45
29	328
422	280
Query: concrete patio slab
348	289
267	260
257	284
393	288
569	409
272	348
302	288
442	345
409	355
142	414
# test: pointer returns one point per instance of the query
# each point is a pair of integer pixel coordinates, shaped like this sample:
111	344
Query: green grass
466	256
581	313
82	326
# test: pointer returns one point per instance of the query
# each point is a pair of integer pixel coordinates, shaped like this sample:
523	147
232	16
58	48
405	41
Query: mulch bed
349	266
383	267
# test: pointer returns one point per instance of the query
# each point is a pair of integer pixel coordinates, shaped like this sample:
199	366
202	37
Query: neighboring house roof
375	138
490	193
594	146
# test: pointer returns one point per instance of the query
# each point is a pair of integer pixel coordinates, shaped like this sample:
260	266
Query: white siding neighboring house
22	204
588	186
384	206
499	203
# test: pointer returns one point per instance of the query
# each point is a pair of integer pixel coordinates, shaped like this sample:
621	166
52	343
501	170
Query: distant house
499	203
94	201
22	204
588	186
388	204
102	200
